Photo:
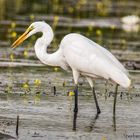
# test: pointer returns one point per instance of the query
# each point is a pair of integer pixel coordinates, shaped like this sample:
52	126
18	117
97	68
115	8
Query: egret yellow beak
21	38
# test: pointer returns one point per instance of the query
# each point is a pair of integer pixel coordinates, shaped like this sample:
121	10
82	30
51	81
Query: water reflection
92	124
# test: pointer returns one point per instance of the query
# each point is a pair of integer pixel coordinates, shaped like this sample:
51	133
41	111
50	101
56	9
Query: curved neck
41	48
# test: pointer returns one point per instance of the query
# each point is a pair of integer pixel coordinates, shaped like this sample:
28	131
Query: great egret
81	55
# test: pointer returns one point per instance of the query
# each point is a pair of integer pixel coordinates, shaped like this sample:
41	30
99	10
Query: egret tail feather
120	77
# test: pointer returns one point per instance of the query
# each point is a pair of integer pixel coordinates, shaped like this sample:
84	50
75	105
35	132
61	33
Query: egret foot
96	102
75	107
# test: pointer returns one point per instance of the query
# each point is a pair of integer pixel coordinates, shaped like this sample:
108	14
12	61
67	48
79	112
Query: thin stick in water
17	125
54	88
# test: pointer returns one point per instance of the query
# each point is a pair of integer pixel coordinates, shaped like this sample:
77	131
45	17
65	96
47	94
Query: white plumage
90	59
81	54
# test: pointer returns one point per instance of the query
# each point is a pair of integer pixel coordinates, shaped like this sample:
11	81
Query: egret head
39	26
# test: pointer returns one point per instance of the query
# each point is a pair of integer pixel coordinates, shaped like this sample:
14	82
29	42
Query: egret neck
41	46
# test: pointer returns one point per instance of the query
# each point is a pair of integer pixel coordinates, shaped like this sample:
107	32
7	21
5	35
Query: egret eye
30	28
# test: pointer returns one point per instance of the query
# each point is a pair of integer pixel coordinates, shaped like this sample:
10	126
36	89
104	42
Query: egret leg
106	89
75	107
96	102
114	107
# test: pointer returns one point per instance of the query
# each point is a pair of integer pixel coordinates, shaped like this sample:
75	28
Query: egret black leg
75	107
96	102
114	107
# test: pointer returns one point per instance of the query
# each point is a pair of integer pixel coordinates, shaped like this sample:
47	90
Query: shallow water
44	115
51	118
27	86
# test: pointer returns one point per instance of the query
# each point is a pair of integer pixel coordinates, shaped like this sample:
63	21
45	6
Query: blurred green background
71	8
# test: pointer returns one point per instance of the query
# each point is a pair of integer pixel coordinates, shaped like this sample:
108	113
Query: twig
17	125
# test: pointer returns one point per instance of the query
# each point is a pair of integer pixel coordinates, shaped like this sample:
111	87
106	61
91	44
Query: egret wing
88	57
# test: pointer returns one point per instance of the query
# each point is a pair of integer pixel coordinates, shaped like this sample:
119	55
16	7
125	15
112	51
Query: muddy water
44	115
51	118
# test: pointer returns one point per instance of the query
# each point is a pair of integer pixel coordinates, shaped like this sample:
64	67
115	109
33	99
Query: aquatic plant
25	53
26	87
70	93
56	69
55	22
99	32
37	82
8	89
12	57
37	97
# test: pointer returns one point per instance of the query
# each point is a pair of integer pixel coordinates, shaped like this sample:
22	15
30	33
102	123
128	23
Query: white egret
81	55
